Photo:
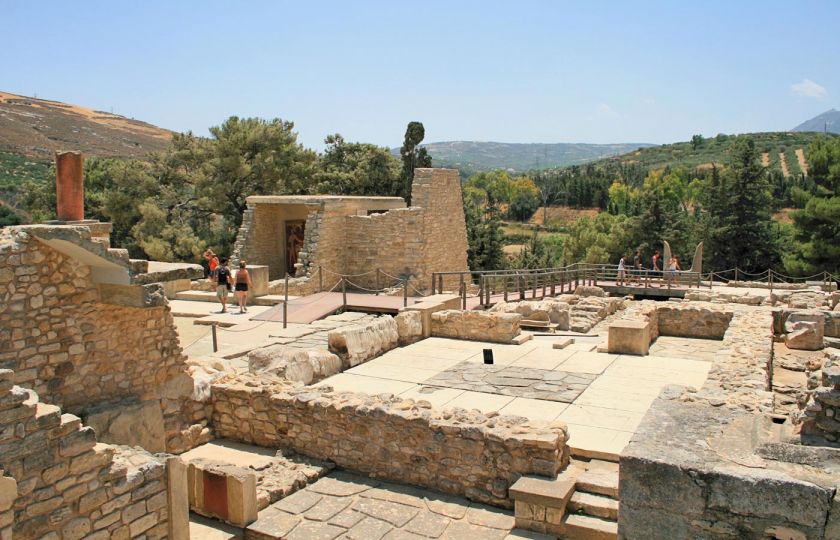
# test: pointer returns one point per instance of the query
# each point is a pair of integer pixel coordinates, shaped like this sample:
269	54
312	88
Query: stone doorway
294	243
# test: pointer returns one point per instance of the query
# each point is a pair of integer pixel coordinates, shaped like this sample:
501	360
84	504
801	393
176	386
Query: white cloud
808	88
605	111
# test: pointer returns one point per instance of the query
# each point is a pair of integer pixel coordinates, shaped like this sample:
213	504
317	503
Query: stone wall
392	242
438	193
67	338
459	452
822	413
476	325
68	485
693	320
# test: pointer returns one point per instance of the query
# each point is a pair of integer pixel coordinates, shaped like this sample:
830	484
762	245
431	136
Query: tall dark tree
413	156
741	233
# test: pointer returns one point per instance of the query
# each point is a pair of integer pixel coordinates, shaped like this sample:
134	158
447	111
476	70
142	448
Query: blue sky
510	71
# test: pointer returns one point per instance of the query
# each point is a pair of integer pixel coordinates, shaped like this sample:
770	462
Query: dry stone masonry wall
476	325
459	452
68	485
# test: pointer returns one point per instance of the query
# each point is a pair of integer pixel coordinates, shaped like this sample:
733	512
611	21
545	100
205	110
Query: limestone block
178	503
832	322
588	290
805	330
359	343
548	309
409	327
133	424
629	337
259	280
222	491
805	299
476	325
431	304
8	492
303	365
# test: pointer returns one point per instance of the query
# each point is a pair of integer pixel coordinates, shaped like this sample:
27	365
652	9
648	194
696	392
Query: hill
474	156
781	151
38	127
827	121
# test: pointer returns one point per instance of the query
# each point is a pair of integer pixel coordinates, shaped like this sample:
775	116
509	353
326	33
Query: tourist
222	280
637	266
620	279
212	260
241	284
673	266
656	264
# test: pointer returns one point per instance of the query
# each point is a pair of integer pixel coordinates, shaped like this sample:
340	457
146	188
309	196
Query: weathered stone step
579	527
198	296
593	505
600	478
553	493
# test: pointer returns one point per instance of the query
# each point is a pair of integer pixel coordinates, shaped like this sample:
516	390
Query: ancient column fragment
69	186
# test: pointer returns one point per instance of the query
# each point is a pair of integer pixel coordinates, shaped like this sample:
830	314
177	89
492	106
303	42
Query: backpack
223	276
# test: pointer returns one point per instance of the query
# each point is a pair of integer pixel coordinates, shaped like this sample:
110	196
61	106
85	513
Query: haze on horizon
522	72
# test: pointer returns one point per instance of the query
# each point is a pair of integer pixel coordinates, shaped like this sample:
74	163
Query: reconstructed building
304	235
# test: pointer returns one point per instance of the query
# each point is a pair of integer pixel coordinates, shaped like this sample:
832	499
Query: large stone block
177	499
132	424
805	330
476	325
358	344
222	491
409	327
302	365
629	337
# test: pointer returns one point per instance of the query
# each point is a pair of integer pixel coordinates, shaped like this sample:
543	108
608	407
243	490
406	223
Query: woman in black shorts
241	284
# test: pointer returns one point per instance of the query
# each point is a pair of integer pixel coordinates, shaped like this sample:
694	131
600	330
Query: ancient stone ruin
130	409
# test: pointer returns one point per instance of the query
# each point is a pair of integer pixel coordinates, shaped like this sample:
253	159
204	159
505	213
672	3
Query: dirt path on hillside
783	161
765	159
800	157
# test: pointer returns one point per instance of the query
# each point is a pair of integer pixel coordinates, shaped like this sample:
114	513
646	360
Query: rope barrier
185	347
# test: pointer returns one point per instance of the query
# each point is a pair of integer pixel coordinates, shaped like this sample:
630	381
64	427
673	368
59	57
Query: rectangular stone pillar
69	186
178	500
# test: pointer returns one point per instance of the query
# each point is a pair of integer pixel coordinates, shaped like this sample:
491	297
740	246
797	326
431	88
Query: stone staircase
580	504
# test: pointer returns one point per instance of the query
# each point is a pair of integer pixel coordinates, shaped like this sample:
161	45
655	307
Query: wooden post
377	282
344	293
463	293
285	300
320	278
405	292
215	342
534	291
440	283
553	283
434	275
736	274
770	278
504	287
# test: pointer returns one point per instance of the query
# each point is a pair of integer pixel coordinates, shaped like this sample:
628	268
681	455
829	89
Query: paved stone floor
516	381
349	506
601	419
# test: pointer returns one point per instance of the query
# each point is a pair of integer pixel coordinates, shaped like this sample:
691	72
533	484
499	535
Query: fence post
553	283
504	287
770	278
215	342
534	291
405	292
736	274
286	301
343	293
377	282
440	283
463	293
320	278
434	275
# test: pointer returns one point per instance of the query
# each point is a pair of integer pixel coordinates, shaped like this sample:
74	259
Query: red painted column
69	186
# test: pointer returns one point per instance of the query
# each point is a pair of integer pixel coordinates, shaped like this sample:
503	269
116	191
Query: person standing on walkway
222	280
212	261
656	265
241	285
673	266
637	266
621	271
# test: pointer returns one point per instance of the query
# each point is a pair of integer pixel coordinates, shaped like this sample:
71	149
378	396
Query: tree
817	226
484	235
696	141
740	233
412	156
524	198
356	169
8	216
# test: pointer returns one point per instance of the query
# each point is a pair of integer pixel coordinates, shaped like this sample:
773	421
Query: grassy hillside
473	156
715	150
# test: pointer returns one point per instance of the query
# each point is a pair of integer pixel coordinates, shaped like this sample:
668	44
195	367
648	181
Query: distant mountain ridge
37	127
827	121
475	156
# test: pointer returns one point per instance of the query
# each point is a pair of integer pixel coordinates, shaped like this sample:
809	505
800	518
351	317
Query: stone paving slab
550	385
347	506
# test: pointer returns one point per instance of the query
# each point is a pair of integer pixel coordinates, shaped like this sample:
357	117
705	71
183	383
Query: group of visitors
638	269
224	280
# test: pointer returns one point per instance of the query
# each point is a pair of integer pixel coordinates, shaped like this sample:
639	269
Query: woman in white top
621	271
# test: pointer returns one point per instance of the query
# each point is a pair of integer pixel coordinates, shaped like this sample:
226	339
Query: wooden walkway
306	309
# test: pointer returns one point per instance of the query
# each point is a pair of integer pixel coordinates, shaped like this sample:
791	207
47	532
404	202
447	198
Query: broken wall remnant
75	329
357	344
476	325
70	486
391	438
